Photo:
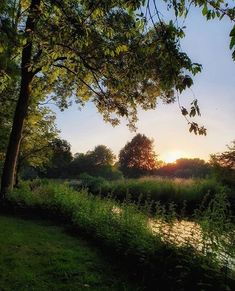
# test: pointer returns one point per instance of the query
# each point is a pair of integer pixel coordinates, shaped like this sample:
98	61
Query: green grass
37	255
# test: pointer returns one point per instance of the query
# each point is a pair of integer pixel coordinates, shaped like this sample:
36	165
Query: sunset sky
206	42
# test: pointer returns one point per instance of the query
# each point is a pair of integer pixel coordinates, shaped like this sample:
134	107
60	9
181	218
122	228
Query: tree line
136	159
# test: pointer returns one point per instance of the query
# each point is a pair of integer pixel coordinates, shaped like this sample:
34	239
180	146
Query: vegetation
187	195
60	159
125	230
224	165
185	168
38	134
98	162
37	255
138	158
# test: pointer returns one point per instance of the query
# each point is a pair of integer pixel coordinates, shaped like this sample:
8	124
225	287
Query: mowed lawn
37	255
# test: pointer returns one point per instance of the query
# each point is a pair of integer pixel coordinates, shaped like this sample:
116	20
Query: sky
206	42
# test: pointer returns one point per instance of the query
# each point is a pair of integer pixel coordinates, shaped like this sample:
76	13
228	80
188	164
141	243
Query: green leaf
232	42
232	32
204	10
188	82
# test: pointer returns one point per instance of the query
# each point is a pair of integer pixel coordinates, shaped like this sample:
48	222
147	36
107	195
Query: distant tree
185	168
102	156
98	162
224	165
225	159
81	163
61	159
138	158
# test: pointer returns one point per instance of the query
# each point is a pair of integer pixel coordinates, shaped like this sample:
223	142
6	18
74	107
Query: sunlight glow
171	157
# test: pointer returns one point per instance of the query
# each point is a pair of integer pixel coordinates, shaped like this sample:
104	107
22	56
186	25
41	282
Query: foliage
185	168
101	156
215	221
60	159
98	162
126	231
39	131
98	51
109	173
138	158
224	165
7	107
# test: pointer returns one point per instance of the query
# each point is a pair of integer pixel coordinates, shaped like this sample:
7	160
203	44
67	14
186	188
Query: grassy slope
35	255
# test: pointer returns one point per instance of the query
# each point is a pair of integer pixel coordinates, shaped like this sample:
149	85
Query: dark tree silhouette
185	168
98	162
61	159
224	165
138	158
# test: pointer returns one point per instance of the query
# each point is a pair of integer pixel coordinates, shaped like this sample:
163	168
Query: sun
171	157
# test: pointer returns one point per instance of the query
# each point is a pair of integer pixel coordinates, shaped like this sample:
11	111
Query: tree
185	168
101	51
60	160
39	131
224	165
7	106
138	158
98	162
102	156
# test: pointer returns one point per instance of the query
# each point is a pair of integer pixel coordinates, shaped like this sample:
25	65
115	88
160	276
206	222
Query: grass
37	255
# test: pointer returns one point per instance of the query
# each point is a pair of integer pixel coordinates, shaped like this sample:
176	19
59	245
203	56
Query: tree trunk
17	173
12	153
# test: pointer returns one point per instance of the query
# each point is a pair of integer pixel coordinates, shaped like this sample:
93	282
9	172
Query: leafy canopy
118	54
99	51
96	162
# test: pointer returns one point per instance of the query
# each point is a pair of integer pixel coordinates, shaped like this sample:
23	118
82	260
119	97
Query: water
186	233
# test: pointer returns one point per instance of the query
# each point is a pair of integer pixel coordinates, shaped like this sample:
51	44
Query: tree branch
84	82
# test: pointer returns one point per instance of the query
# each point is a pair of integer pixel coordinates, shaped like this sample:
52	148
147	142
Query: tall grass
124	229
187	194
